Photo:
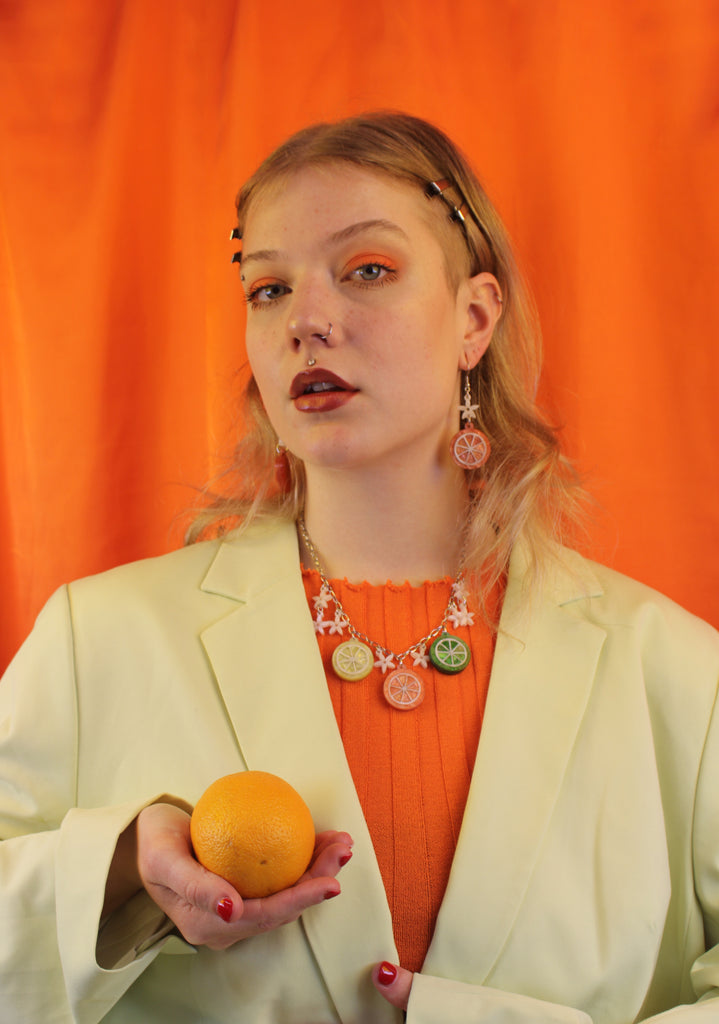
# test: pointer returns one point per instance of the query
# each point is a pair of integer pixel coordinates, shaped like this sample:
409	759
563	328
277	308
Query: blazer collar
268	668
542	674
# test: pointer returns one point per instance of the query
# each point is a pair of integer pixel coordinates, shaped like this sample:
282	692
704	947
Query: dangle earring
283	474
470	448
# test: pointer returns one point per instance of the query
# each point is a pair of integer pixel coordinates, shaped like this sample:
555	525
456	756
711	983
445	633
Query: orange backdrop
126	127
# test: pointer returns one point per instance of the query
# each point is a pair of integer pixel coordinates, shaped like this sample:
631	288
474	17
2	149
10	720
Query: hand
206	908
394	983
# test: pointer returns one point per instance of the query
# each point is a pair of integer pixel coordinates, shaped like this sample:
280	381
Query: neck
376	527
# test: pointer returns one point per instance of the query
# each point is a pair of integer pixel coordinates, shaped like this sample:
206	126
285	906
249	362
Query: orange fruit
255	831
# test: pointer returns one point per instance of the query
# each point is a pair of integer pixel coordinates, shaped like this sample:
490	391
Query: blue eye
262	293
370	271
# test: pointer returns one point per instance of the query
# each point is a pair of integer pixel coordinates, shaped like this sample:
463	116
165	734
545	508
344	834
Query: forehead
325	198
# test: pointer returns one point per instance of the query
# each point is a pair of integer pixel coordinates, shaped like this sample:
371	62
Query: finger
332	851
394	983
260	915
178	883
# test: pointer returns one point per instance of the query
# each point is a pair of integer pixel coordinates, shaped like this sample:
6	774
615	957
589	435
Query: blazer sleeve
55	856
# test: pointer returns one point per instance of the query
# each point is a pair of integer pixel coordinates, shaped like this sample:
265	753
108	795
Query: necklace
355	658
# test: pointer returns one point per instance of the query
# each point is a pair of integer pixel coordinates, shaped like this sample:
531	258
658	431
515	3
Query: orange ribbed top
411	768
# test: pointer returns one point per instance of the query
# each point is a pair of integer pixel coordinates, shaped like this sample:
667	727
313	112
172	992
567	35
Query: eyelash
252	300
378	282
390	274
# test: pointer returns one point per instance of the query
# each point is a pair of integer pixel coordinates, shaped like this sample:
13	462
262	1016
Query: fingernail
343	860
386	974
331	893
224	908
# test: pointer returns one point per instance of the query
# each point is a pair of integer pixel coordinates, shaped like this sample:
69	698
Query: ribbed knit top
411	768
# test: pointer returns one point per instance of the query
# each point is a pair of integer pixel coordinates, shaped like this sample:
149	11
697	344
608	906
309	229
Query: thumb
394	983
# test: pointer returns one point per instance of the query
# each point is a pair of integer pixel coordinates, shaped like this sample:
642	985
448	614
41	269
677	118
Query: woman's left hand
393	983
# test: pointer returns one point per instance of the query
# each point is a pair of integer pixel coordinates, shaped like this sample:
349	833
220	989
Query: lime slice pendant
449	654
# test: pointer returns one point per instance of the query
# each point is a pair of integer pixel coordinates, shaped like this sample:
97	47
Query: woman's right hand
206	909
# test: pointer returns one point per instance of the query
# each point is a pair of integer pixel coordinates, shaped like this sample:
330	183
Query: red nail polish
343	860
224	908
331	893
386	973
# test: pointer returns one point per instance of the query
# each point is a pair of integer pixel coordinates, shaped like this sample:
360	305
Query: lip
319	376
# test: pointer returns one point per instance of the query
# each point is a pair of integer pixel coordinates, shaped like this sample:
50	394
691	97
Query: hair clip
236	234
438	188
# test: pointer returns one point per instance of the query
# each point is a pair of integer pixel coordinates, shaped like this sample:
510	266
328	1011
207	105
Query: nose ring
324	337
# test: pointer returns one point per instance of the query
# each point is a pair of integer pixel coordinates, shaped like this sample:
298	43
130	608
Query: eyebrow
343	235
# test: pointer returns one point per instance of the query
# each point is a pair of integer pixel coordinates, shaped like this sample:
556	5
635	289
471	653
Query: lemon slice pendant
352	660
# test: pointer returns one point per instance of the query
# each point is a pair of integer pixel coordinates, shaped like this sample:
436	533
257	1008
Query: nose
309	330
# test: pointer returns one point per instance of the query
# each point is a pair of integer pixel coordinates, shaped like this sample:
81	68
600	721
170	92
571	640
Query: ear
481	308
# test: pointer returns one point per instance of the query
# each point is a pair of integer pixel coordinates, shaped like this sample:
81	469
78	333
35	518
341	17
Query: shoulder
646	634
187	588
619	602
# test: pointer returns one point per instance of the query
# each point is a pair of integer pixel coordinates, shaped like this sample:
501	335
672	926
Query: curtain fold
126	128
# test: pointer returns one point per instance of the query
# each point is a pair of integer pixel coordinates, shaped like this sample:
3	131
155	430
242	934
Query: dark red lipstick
320	390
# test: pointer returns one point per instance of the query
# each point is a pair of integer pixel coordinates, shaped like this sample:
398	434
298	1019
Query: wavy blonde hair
527	487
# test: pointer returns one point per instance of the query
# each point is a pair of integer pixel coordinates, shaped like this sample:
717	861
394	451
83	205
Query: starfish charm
468	412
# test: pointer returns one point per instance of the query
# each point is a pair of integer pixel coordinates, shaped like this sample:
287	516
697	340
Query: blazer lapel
267	664
543	670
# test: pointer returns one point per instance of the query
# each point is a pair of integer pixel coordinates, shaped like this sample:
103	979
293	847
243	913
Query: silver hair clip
438	188
236	234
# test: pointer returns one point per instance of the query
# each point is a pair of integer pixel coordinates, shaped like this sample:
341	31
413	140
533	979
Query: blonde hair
527	487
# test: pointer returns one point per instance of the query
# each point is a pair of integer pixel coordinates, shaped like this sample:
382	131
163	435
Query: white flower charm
461	617
459	592
384	661
322	600
337	626
420	658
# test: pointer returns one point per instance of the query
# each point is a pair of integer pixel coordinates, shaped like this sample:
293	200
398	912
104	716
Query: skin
361	251
155	853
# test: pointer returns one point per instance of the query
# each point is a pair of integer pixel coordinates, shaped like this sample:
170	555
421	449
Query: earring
470	448
283	474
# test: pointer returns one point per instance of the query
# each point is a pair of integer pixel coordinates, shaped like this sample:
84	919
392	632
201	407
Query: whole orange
254	830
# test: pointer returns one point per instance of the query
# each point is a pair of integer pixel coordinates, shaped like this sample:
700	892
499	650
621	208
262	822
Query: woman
562	868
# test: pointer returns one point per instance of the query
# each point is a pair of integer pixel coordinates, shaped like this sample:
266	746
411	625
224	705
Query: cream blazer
585	885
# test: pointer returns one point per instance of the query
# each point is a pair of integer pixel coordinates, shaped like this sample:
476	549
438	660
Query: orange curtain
126	127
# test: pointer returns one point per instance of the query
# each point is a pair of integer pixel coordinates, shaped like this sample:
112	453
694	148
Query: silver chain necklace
355	658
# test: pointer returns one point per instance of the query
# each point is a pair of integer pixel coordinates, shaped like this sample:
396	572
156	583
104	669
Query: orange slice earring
470	448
